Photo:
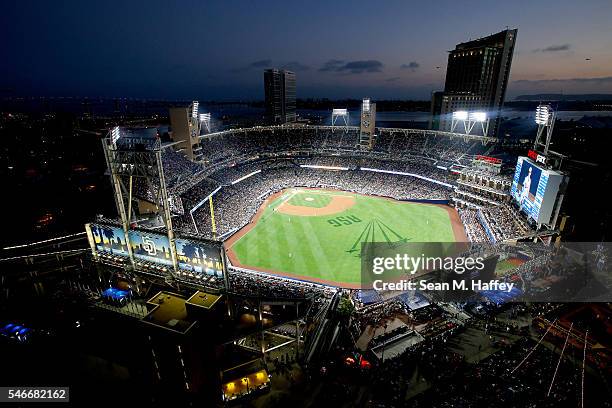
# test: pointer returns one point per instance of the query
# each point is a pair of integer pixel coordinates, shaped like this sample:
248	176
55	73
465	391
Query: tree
345	307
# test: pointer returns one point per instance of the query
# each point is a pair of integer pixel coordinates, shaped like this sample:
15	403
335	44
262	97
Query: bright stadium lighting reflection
460	115
478	116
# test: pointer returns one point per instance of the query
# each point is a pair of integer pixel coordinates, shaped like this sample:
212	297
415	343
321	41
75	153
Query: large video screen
109	239
199	257
535	190
150	247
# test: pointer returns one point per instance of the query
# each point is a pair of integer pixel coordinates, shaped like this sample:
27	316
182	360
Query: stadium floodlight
115	134
460	115
542	115
340	113
365	105
194	111
545	119
478	116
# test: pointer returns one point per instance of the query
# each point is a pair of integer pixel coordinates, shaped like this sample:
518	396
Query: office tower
476	79
186	126
279	87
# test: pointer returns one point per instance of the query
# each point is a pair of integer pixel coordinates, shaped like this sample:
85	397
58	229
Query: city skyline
218	50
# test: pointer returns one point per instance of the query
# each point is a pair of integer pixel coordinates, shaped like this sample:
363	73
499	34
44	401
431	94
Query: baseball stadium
271	222
298	201
345	218
245	248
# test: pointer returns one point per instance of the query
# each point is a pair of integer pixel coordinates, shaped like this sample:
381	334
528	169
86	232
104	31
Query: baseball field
315	235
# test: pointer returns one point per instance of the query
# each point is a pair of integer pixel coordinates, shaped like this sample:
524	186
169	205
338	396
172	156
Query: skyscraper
279	87
476	79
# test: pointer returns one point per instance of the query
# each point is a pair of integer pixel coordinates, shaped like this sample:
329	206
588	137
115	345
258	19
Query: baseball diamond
315	235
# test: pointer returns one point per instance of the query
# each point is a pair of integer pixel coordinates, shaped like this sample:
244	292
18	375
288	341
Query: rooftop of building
489	40
203	299
169	312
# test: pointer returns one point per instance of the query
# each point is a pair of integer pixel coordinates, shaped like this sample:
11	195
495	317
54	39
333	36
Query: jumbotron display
535	190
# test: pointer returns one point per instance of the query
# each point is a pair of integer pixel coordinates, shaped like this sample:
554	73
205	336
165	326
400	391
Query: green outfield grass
327	247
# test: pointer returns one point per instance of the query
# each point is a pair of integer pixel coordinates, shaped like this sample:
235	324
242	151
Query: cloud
596	80
266	63
554	48
353	67
261	63
393	79
295	66
332	65
411	66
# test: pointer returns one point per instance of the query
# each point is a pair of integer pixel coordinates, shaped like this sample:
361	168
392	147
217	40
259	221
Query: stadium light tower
135	159
480	118
340	114
459	117
469	121
545	119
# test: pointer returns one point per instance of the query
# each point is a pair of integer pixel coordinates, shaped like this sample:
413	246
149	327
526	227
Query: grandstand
239	169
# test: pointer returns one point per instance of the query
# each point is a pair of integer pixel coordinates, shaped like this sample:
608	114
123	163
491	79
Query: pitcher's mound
336	205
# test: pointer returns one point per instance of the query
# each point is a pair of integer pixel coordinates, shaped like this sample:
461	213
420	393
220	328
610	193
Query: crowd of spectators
473	228
265	285
278	154
504	223
221	146
235	204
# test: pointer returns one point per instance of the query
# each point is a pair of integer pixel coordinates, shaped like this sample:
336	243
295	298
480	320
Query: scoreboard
535	189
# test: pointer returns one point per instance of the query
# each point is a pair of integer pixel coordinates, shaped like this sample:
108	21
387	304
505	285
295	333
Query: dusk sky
218	49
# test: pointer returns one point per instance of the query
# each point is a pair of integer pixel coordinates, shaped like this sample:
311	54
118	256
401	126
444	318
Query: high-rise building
186	125
476	79
279	87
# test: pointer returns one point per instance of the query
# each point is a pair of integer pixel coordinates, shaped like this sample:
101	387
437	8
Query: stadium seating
243	167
